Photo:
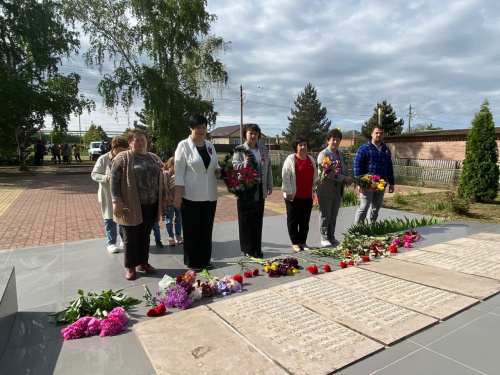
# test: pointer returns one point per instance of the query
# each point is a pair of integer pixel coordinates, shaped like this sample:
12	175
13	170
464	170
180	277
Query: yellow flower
273	267
380	186
382	181
295	270
366	178
289	271
326	160
374	184
266	269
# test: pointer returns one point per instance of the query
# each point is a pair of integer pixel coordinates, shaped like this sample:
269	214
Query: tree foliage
34	40
423	128
95	133
309	119
161	51
390	121
480	173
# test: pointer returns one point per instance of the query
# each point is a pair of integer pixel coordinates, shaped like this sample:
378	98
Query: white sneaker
120	244
113	249
326	244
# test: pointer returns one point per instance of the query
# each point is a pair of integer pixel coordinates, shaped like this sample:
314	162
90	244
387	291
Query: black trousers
298	214
197	226
250	218
136	238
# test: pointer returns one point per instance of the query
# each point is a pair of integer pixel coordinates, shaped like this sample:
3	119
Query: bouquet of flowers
370	182
240	181
328	166
282	267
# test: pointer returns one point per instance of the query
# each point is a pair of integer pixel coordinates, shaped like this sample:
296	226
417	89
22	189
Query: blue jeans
156	231
169	218
110	229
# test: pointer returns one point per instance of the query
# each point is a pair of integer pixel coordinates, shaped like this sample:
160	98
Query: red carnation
152	312
393	249
327	268
343	264
375	251
160	309
366	258
256	272
238	278
248	274
351	262
313	269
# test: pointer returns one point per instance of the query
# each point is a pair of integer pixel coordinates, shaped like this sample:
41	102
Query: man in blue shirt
373	157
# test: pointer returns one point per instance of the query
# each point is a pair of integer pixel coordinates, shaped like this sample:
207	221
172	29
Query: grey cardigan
266	175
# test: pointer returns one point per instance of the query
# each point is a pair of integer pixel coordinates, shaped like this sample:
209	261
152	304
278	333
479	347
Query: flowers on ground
370	182
281	267
91	326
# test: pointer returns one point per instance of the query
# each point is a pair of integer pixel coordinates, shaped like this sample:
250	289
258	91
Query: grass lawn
433	204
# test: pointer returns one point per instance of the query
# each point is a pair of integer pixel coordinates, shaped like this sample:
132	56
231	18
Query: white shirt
199	182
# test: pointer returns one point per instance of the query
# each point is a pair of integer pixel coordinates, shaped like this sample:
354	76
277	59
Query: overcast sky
441	57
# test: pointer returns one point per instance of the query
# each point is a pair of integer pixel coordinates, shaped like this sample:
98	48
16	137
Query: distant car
94	150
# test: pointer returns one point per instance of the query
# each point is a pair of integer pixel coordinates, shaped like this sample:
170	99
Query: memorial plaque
300	340
456	282
465	265
422	298
486	236
380	320
196	341
467	250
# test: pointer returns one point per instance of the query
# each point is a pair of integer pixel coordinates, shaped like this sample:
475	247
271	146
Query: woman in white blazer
251	208
299	178
196	173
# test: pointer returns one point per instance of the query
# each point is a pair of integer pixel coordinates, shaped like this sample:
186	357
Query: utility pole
241	114
80	129
379	116
409	119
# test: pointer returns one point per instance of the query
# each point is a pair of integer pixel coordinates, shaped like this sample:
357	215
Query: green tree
308	119
423	128
94	133
390	121
161	51
480	173
34	40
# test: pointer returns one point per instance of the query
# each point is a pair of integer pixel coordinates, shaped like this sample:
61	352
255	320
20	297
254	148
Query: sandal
179	240
171	242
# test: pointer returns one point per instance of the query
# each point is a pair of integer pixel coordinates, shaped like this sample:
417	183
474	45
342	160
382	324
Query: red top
304	176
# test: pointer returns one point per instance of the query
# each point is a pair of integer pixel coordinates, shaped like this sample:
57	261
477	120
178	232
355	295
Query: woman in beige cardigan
139	198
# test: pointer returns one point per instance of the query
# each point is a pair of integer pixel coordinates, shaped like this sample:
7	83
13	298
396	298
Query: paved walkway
59	204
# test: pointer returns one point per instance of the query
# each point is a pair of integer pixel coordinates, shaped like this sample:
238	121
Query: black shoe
159	245
209	266
196	269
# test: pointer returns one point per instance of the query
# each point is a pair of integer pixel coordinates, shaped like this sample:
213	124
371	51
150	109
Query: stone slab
471	249
486	236
455	282
8	305
453	263
196	341
424	299
357	310
302	341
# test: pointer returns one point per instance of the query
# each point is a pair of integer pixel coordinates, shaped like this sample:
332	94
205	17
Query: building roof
435	135
226	131
351	134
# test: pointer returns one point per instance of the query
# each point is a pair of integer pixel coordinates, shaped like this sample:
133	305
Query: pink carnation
73	332
408	245
93	327
120	314
397	242
110	327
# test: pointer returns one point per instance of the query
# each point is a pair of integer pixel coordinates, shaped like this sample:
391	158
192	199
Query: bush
458	204
479	178
350	199
439	206
400	199
277	178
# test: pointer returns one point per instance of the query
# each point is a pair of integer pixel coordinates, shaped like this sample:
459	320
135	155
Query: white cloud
440	56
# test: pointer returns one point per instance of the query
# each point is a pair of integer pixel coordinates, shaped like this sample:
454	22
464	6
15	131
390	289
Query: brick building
432	144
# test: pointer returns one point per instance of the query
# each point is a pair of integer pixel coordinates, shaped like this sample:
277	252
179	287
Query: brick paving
59	204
